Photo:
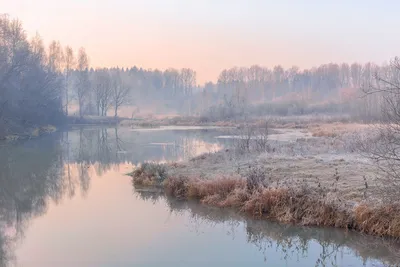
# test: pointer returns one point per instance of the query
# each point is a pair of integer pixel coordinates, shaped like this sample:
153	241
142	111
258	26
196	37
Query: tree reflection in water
38	172
289	241
30	175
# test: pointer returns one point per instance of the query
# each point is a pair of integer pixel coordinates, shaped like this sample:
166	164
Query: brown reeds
381	221
288	205
284	205
149	174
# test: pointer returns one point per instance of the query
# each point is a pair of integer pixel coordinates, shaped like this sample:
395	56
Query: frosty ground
310	174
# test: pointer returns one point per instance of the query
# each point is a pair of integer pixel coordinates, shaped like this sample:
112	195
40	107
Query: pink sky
209	36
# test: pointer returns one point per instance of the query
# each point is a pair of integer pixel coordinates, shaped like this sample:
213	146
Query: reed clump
149	174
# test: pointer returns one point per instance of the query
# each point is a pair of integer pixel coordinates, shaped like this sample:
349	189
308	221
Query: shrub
251	137
255	178
149	173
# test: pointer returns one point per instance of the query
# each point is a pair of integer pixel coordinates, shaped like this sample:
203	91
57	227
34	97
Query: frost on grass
317	181
149	173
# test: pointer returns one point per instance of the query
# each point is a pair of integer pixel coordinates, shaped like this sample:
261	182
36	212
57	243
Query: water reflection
107	148
112	146
37	172
294	245
37	175
30	175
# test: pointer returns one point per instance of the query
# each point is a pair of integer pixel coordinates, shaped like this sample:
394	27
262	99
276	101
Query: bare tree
102	89
56	57
69	65
173	81
251	138
120	92
384	148
188	77
38	49
82	87
29	82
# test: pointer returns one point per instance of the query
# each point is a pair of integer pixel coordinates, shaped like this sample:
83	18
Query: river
65	201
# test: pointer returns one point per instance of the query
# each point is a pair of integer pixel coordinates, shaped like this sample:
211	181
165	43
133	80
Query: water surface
65	201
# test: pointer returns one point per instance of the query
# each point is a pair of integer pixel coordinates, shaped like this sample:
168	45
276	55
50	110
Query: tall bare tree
82	88
384	149
38	49
69	66
102	89
120	92
29	83
56	57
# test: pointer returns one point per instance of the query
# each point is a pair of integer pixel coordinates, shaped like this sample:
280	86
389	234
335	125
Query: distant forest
39	85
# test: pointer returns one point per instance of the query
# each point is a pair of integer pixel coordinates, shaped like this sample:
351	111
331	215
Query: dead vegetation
288	122
149	174
382	147
283	239
336	129
297	180
382	221
260	198
251	137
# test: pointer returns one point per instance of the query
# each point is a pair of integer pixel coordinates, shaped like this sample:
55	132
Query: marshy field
295	171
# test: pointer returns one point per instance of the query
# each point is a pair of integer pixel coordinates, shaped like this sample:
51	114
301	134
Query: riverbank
93	120
307	177
294	241
30	133
303	121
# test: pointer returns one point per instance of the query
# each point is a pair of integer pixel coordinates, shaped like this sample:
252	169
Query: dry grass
262	234
302	206
304	195
322	123
382	221
323	133
282	204
149	174
335	129
92	120
297	207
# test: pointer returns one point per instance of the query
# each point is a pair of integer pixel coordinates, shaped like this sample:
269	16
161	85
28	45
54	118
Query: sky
210	35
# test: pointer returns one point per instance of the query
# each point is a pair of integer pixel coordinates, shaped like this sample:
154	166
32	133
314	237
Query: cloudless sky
209	35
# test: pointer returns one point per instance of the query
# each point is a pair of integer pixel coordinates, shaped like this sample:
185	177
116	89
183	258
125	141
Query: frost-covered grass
149	173
308	181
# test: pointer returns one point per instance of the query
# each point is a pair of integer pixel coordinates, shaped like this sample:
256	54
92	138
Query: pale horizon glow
211	35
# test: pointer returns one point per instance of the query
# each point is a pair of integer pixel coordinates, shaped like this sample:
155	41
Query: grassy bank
306	176
93	120
299	122
290	241
296	205
30	133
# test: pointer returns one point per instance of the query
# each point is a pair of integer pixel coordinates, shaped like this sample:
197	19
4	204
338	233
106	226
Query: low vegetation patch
43	130
149	174
31	133
93	120
258	198
336	129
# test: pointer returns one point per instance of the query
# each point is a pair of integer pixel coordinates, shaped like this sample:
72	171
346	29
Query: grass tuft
149	174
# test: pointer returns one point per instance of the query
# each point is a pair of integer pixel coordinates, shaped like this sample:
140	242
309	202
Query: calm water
64	201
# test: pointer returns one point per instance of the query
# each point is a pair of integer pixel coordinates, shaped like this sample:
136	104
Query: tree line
39	85
335	87
30	88
162	90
